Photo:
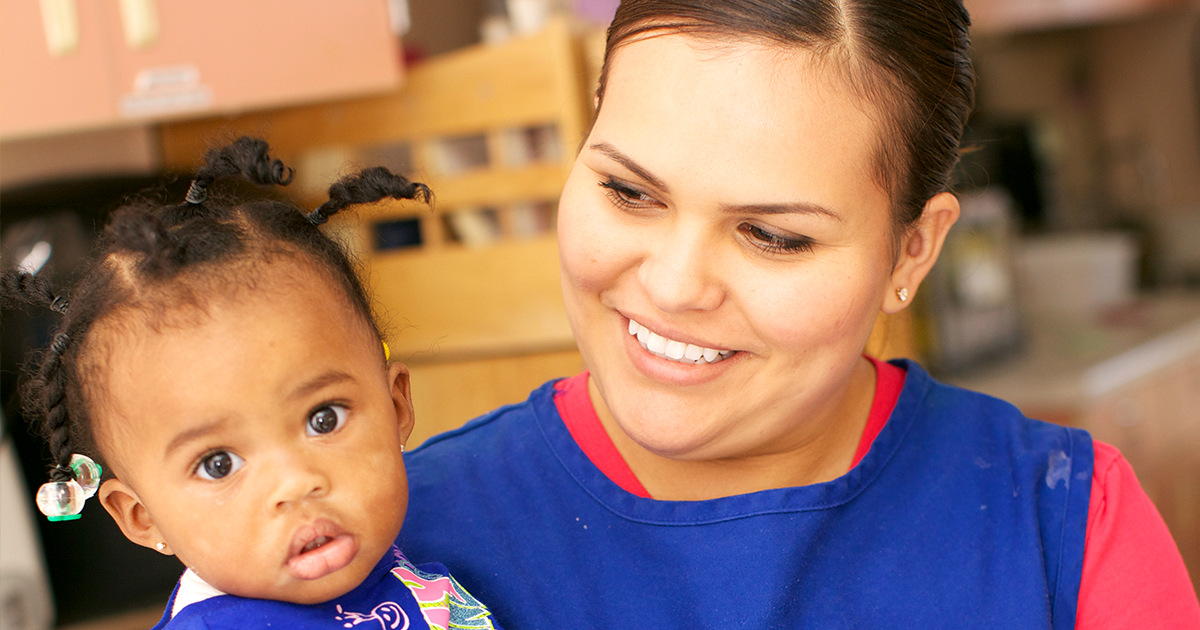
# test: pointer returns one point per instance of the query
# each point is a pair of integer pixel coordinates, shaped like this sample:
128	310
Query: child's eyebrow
304	389
319	382
192	434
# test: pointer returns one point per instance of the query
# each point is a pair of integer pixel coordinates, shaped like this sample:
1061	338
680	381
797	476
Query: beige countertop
1066	363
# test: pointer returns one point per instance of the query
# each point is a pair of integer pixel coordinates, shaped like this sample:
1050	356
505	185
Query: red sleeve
1133	575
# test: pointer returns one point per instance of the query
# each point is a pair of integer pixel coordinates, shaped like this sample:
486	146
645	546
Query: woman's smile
678	351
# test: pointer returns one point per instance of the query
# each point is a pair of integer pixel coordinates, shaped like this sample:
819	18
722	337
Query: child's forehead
272	333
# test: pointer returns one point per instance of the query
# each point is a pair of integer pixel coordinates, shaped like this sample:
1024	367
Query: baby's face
261	443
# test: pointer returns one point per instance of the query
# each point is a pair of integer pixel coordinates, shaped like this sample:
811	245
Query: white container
1076	275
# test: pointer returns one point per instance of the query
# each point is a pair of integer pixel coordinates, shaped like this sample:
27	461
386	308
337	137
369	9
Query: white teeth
656	344
316	542
675	350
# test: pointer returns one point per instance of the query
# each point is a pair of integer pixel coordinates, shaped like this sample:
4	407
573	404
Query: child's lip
337	551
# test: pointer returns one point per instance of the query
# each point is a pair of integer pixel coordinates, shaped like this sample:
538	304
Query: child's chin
319	591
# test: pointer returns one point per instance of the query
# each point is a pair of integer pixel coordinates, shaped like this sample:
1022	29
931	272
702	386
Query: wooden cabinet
70	65
1006	16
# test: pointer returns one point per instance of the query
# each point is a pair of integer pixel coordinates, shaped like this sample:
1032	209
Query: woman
761	181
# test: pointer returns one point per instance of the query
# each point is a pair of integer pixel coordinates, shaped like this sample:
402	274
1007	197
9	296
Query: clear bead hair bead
87	473
61	500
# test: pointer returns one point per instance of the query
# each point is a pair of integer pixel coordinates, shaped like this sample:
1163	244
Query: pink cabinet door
234	55
144	60
41	90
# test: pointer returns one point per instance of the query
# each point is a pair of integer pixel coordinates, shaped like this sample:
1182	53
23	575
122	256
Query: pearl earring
902	293
160	546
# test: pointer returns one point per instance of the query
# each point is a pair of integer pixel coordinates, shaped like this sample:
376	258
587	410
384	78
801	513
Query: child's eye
218	464
775	243
326	420
625	196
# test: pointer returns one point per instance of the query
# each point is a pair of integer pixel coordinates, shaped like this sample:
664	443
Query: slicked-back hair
907	59
152	259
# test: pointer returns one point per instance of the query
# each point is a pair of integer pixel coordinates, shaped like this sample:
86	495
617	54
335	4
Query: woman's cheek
590	245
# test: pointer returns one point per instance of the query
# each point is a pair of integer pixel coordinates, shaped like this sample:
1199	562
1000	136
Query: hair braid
367	186
247	157
24	287
46	393
56	423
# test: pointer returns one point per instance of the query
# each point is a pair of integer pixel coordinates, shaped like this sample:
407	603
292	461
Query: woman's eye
625	196
771	242
326	420
218	464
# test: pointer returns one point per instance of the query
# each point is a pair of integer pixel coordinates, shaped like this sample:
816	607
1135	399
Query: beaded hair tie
197	192
62	498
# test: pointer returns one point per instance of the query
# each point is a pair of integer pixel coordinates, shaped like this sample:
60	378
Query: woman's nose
680	272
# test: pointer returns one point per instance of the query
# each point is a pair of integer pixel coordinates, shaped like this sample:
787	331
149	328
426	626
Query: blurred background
1071	286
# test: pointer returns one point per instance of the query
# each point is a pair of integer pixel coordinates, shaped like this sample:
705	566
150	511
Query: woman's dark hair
155	258
907	57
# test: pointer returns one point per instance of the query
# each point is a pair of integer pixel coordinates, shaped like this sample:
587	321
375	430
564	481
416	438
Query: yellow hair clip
387	353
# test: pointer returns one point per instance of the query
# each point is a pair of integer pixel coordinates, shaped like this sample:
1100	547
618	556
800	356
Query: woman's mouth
677	351
320	548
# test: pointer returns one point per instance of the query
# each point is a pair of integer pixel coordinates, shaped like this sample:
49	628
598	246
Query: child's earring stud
160	546
902	294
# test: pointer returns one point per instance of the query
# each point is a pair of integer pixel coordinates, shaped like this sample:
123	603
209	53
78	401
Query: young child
223	366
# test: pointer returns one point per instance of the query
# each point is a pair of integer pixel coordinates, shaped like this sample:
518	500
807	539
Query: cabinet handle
140	19
60	19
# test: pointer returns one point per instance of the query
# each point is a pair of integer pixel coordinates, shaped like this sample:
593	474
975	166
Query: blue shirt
964	513
396	595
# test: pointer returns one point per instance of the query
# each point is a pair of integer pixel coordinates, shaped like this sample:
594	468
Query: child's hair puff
154	258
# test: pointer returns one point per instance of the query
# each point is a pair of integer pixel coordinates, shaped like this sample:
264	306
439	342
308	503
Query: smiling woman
763	180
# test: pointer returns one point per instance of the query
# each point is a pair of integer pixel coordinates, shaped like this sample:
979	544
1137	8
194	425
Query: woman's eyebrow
799	207
626	161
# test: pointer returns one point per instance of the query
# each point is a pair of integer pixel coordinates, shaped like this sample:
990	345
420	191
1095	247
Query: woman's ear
919	250
402	398
123	504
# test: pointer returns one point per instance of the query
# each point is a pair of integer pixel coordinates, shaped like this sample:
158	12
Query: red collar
575	408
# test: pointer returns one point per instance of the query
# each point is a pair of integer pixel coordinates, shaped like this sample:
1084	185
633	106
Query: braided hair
152	258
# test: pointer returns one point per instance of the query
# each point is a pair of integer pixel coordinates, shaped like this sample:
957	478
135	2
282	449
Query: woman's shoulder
961	410
487	428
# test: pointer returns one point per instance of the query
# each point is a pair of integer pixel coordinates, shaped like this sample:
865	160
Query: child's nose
297	479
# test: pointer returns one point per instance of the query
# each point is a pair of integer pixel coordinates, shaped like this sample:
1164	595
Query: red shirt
1133	575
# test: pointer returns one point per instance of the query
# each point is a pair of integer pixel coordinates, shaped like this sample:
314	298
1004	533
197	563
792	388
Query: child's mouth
317	542
319	549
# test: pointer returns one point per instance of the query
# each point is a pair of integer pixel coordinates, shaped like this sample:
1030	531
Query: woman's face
723	207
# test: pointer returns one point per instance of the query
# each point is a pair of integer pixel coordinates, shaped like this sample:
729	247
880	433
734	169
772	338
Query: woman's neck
823	450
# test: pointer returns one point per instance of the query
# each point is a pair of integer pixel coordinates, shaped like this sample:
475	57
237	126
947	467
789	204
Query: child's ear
123	504
402	398
919	250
